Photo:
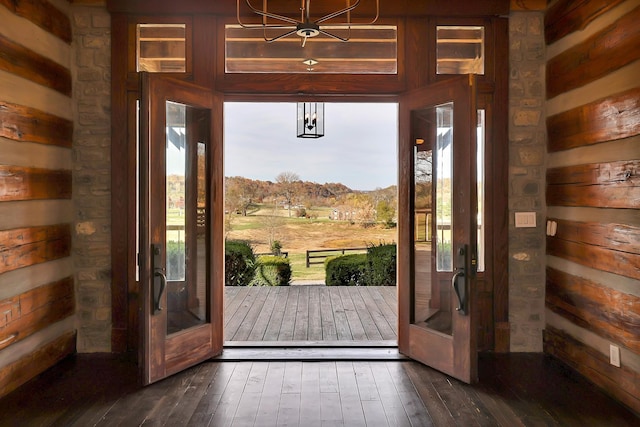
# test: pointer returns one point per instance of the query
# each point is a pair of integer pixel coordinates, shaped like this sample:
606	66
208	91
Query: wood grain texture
21	123
25	63
518	389
606	51
567	16
23	183
595	307
621	383
44	15
17	373
28	246
601	185
28	313
609	247
367	8
607	119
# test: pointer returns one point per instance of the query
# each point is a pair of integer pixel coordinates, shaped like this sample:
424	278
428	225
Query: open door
181	226
437	251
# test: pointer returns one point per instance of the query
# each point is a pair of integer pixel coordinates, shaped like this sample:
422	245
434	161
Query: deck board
310	313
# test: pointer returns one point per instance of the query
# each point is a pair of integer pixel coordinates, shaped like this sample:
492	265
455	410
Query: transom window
371	49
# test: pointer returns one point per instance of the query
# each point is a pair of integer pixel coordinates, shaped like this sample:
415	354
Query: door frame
417	64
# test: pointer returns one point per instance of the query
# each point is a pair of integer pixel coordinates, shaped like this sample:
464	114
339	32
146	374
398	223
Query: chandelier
304	27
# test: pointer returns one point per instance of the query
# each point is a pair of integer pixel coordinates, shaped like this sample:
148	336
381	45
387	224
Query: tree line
296	195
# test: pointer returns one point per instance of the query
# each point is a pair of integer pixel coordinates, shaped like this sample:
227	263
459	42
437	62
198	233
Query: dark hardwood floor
515	390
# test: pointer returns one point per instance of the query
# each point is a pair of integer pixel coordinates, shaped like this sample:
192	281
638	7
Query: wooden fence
321	254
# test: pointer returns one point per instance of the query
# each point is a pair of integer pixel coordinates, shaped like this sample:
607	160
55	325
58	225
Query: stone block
527	117
531	156
101	21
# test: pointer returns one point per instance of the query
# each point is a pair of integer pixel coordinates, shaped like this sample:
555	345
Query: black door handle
460	289
159	278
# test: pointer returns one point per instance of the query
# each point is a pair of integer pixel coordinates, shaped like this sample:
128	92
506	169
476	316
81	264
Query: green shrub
175	260
381	265
272	271
345	270
239	263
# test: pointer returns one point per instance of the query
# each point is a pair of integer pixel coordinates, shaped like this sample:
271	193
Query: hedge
239	263
381	265
272	271
375	268
345	270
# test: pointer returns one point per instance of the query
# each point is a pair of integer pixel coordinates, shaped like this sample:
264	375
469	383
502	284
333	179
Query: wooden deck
514	390
311	313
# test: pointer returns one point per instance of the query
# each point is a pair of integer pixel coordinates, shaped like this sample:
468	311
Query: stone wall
527	141
91	68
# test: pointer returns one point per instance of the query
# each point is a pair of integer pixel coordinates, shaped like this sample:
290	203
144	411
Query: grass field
297	235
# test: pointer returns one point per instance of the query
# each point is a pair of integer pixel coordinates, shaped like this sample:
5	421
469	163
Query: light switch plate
525	219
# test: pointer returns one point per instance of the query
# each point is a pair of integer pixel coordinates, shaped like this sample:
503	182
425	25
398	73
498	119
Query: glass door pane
433	171
186	201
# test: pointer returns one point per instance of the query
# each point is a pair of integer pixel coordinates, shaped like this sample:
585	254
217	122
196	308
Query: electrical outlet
614	355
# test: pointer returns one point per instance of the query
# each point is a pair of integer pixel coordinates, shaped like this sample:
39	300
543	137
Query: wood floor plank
301	328
368	323
386	331
289	318
310	399
257	303
270	399
188	402
326	313
315	320
292	381
339	316
260	325
514	390
209	401
390	295
289	410
230	399
355	324
275	321
385	308
235	304
242	311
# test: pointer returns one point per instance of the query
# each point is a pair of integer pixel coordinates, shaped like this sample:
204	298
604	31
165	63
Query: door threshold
312	344
324	353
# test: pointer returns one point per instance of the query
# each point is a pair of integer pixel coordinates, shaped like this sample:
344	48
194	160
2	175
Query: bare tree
287	187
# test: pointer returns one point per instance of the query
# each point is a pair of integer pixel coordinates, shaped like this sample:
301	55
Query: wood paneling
608	50
23	62
28	246
22	183
600	185
605	311
21	123
17	373
607	119
26	314
43	14
567	16
621	383
608	247
367	8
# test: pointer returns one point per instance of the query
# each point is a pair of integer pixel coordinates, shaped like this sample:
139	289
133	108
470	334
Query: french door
181	226
438	227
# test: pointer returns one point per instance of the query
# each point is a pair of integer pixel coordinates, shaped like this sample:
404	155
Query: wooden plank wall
593	191
37	298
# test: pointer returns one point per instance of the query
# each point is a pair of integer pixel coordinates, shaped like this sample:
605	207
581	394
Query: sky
359	148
